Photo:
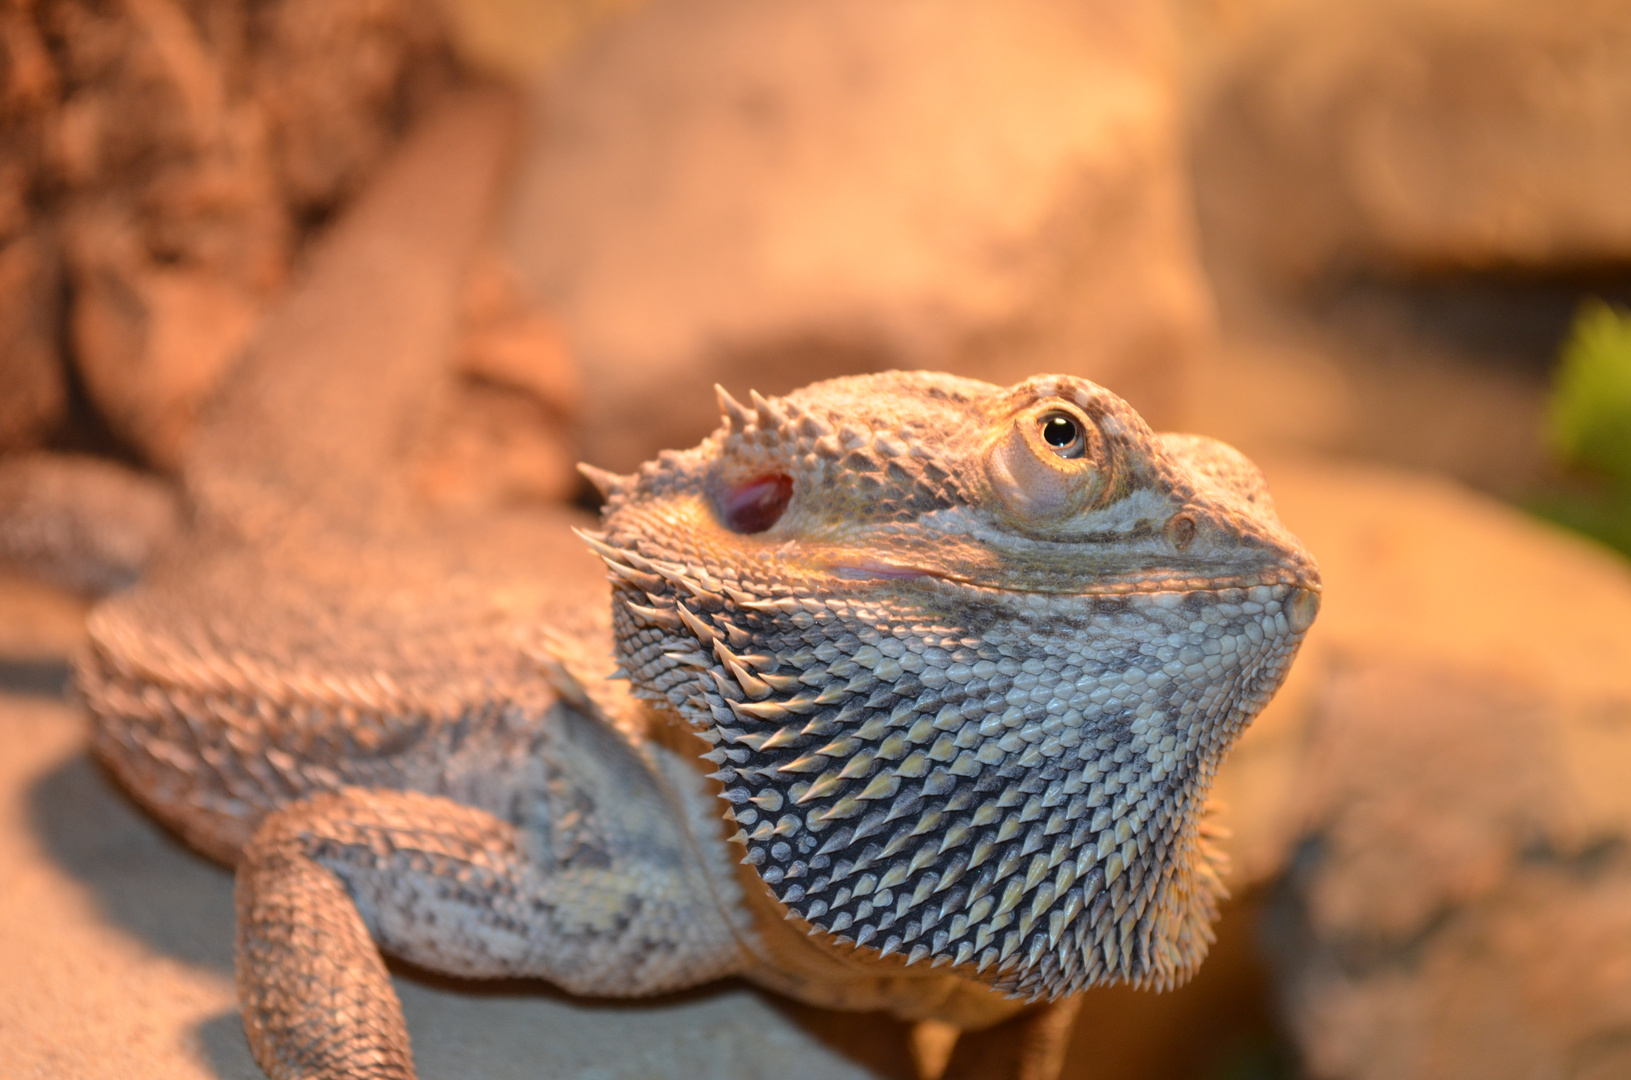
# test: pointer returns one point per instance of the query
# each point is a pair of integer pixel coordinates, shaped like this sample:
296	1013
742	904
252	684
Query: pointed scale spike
769	416
760	710
738	637
781	683
751	684
651	616
1056	927
824	785
695	587
954	872
837	842
737	415
843	808
607	483
740	598
704	633
869	825
896	843
1011	896
597	544
882	786
921	858
859	764
783	737
1044	898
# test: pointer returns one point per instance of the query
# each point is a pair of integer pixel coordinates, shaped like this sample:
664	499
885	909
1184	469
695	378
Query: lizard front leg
1030	1046
328	883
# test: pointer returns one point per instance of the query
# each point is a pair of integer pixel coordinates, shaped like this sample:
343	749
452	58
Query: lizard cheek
755	505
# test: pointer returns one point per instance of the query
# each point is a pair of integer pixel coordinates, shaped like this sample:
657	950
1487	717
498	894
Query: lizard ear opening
755	505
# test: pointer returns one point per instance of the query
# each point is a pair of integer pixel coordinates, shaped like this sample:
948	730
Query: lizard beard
1011	785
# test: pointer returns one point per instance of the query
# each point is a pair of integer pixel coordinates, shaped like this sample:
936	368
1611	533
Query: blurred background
1383	246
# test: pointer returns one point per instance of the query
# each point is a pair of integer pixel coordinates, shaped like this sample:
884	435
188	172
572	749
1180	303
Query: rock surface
179	152
1442	793
1398	134
768	193
33	386
504	430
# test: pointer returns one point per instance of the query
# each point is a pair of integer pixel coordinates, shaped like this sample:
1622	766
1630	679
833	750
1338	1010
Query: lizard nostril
1180	530
756	505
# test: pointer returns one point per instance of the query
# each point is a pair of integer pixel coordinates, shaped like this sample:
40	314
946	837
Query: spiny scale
866	849
1005	780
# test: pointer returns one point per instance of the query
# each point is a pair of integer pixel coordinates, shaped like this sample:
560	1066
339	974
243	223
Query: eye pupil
1060	431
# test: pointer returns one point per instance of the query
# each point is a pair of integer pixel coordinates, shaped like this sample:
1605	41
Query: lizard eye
1063	434
1046	462
757	504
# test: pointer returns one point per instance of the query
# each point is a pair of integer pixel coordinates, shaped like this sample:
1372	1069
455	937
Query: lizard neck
793	957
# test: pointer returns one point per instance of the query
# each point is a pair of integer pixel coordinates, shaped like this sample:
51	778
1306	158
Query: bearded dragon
907	692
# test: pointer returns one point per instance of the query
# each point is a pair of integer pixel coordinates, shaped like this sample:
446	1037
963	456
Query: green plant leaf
1589	418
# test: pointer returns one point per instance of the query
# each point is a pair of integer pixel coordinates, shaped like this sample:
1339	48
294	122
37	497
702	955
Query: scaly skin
966	695
960	691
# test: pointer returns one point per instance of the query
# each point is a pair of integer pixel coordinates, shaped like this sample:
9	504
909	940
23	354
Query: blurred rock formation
504	430
33	384
1439	796
1426	135
768	193
170	156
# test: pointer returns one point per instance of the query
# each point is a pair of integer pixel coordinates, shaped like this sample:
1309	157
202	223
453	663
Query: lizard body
962	660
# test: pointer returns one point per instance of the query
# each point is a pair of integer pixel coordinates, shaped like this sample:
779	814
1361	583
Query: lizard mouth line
873	570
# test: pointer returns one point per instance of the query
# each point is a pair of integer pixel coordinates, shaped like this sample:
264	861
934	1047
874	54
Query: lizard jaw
898	786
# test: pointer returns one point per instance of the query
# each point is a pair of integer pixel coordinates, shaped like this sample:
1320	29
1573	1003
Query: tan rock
191	148
152	344
764	194
1402	133
33	379
1444	788
507	341
506	427
338	83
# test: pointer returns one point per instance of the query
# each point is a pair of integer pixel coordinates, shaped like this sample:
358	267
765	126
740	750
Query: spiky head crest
967	658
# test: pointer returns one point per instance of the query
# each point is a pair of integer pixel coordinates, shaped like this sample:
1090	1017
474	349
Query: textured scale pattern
1008	781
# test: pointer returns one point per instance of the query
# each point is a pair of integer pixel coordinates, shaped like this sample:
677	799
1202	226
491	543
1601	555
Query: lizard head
967	658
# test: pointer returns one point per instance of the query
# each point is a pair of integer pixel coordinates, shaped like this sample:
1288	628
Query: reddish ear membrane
756	505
